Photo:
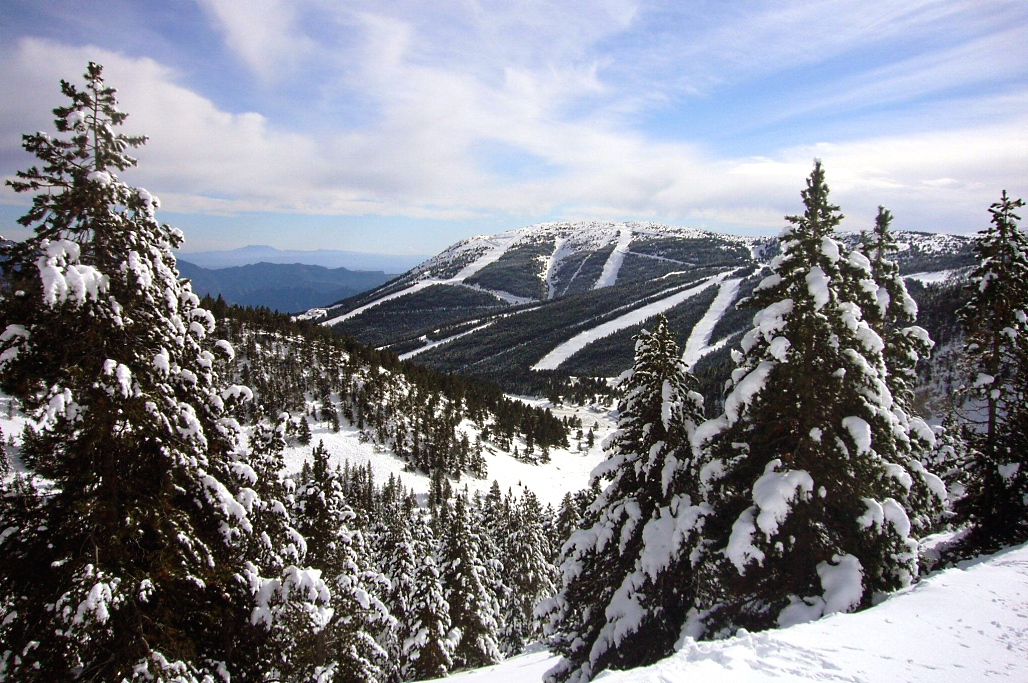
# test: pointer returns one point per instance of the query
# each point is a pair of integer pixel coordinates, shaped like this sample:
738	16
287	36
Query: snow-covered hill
567	298
954	626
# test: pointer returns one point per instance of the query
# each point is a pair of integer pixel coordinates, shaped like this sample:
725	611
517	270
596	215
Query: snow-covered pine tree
893	317
528	573
626	574
344	649
426	640
800	469
474	610
996	502
567	522
293	601
122	558
428	650
399	556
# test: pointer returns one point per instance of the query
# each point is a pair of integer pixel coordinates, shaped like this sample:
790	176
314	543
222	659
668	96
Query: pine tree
800	469
892	317
344	649
996	504
428	651
626	573
425	641
127	565
474	610
528	573
294	603
303	432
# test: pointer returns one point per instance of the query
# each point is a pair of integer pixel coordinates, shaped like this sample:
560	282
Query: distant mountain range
287	288
327	258
565	299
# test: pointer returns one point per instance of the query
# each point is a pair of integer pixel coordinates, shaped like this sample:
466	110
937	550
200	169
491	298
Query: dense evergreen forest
315	374
151	532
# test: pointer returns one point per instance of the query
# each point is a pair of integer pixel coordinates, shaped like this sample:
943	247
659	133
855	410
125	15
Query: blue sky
402	127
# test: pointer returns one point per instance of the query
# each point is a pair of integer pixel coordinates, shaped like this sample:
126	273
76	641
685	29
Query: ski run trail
559	355
613	265
498	248
961	625
698	344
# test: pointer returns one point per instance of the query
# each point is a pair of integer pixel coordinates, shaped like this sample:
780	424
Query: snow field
955	626
568	469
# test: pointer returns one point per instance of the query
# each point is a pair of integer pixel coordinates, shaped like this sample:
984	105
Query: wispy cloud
468	111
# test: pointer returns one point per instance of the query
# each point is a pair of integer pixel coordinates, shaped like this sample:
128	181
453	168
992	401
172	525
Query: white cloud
262	33
451	99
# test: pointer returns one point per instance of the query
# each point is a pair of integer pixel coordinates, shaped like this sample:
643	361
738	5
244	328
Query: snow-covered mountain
566	298
955	626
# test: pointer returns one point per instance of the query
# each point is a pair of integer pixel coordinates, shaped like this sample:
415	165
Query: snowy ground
568	469
955	626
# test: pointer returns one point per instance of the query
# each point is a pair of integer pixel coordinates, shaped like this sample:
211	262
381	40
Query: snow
568	469
774	492
496	249
103	178
934	277
559	355
613	265
440	342
958	625
552	263
1009	470
817	284
698	344
413	289
860	430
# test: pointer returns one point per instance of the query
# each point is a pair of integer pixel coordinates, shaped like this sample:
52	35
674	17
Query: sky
403	127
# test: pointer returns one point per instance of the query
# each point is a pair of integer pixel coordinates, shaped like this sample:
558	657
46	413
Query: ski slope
496	249
698	344
955	626
612	267
555	358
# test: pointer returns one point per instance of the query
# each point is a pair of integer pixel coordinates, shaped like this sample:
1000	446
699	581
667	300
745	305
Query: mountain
326	258
540	304
279	286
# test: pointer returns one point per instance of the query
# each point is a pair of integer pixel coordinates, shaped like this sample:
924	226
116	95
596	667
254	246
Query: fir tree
129	565
996	504
344	649
303	432
892	317
426	642
528	573
428	650
801	469
626	573
474	610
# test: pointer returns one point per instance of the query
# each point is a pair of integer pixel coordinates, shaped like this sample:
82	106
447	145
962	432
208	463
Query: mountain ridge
279	286
501	306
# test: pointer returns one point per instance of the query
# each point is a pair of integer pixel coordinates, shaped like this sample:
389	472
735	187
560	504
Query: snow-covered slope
581	291
567	471
955	626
